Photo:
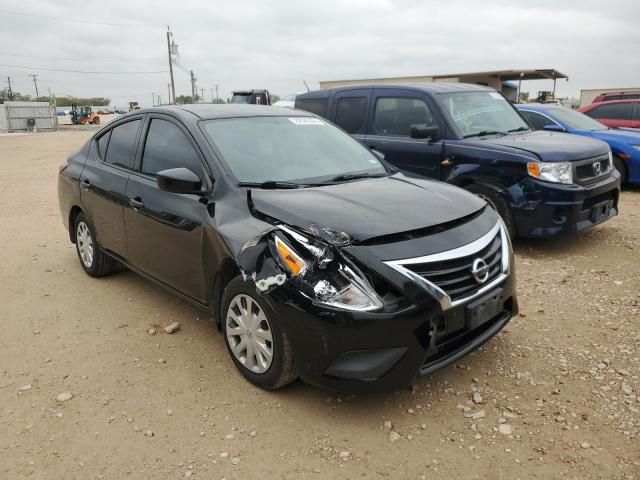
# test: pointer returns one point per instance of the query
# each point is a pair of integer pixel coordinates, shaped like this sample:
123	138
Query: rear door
349	110
104	181
164	230
392	113
635	123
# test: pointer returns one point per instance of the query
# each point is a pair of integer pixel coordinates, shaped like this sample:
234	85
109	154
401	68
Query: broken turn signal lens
291	259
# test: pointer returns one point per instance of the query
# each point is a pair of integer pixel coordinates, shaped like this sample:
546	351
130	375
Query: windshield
288	149
576	120
477	112
241	98
290	98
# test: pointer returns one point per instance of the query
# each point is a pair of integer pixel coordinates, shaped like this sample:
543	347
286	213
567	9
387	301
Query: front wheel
256	341
498	202
622	169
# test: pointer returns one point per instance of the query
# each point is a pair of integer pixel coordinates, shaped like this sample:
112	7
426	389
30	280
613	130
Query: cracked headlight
347	290
557	172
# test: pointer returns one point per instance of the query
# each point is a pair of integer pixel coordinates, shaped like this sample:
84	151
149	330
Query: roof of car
433	88
204	111
537	106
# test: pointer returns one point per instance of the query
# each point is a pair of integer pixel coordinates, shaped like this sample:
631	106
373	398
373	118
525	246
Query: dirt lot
559	387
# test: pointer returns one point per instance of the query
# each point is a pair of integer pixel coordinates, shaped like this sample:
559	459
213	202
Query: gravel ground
87	392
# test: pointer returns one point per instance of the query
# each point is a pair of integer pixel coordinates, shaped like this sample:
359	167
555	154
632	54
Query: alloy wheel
249	334
84	244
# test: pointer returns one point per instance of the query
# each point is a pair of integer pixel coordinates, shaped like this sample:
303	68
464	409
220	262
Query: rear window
350	113
313	105
103	142
122	148
617	111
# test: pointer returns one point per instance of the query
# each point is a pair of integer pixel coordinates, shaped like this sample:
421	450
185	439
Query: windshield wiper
484	133
519	129
270	184
354	176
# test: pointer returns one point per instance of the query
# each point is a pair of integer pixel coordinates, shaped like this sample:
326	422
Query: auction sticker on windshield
306	121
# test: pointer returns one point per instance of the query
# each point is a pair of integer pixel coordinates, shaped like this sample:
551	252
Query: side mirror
554	128
179	180
421	131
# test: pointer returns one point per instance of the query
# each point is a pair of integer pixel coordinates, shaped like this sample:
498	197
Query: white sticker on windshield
306	121
496	95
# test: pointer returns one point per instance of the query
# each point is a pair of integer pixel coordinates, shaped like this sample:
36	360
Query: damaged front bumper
411	331
383	351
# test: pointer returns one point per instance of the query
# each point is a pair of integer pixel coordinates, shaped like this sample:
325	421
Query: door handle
136	203
85	184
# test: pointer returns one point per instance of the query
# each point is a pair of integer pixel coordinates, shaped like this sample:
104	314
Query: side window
122	147
168	147
618	111
313	105
103	141
636	115
394	116
350	113
537	121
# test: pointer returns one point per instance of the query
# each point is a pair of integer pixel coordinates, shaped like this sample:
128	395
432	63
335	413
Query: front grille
586	170
454	276
449	276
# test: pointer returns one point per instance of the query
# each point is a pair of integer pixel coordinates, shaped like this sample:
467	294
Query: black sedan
316	258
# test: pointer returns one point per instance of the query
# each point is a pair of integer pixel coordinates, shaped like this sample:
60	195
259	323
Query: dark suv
307	249
541	183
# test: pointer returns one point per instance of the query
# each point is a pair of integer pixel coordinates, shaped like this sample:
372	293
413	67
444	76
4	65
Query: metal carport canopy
532	74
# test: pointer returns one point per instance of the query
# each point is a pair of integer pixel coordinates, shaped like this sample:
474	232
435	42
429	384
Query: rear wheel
96	120
93	260
498	202
622	169
256	341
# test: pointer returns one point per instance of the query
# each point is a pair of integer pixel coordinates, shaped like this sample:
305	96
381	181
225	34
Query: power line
75	20
80	71
69	59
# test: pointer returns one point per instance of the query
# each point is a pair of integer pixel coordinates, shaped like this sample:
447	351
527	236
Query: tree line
60	101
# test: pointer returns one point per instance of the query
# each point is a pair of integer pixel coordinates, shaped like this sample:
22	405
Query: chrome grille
592	169
449	275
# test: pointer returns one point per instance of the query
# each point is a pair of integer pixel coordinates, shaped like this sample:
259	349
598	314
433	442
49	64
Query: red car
615	113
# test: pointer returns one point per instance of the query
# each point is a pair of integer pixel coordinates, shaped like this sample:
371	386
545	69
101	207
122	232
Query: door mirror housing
422	131
179	180
554	128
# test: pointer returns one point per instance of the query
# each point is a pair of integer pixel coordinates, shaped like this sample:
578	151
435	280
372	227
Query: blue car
624	143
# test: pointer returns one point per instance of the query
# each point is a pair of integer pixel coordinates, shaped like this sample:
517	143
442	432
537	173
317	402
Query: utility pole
169	93
202	92
173	85
217	99
10	91
35	82
153	98
193	86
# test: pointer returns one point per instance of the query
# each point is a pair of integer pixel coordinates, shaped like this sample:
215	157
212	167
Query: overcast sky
276	44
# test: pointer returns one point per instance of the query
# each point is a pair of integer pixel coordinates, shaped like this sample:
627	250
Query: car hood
551	146
629	137
360	210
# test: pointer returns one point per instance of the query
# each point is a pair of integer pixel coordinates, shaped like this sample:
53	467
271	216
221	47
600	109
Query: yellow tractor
83	115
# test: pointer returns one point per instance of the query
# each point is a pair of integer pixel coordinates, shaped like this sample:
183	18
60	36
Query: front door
164	230
104	181
392	114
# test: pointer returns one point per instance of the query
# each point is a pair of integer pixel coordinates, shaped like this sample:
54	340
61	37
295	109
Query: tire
498	202
92	259
622	169
96	121
269	375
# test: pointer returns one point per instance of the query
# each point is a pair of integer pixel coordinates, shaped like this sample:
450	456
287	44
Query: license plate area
601	211
484	309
